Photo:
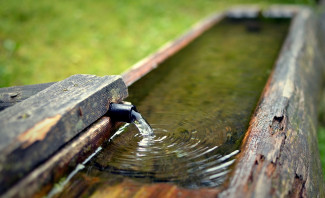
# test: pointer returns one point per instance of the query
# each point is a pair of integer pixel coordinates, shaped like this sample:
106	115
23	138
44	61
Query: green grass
48	41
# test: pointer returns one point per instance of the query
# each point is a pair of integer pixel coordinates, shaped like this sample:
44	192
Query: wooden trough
279	156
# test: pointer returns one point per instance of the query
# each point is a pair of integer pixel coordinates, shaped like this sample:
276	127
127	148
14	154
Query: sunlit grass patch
47	41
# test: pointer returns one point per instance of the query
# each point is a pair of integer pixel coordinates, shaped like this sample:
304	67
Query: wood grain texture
32	130
47	174
130	188
280	155
9	96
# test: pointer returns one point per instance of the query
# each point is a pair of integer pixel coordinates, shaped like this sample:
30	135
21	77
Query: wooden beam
69	156
9	96
282	11
280	155
243	12
32	130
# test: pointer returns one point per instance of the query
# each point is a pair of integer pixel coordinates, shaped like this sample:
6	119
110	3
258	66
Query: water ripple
184	158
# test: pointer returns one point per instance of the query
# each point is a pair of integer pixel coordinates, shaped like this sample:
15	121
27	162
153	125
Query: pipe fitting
121	112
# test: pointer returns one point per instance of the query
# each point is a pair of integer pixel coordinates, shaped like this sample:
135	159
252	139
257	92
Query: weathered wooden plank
75	152
280	155
9	96
32	130
130	188
281	11
244	12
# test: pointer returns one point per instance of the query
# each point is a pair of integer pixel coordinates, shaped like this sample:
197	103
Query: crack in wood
280	118
270	169
298	188
278	124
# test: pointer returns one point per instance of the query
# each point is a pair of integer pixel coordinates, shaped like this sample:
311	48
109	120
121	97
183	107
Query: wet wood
152	61
47	174
9	96
129	188
32	130
280	155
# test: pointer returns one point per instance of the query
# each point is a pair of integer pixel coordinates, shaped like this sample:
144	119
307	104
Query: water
198	103
142	125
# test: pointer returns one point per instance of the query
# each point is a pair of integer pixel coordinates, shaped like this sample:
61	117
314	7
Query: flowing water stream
198	103
142	125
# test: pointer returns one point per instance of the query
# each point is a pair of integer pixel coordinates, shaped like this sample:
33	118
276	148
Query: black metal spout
121	112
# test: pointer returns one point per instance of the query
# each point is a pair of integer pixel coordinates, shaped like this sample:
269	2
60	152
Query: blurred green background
45	41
